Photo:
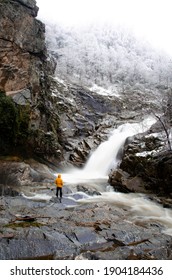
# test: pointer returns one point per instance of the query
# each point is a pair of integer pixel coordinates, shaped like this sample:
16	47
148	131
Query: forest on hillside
108	56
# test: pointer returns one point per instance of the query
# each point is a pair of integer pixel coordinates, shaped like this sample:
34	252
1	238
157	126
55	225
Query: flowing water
105	157
94	177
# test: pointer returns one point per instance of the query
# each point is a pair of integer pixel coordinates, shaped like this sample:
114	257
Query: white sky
149	18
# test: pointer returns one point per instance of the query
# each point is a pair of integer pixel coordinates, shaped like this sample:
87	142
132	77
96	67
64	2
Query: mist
150	20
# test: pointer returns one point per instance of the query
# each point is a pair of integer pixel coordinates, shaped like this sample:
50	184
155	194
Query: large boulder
15	172
146	157
123	182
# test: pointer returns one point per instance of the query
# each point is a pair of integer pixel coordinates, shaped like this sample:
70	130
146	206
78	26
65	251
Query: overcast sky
149	18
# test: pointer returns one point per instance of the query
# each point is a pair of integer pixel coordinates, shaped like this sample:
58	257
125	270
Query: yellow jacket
59	181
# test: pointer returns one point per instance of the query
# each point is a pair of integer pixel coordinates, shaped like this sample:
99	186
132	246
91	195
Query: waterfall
105	156
140	208
94	177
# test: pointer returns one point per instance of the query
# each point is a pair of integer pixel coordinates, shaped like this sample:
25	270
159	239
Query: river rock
149	160
123	182
81	231
18	173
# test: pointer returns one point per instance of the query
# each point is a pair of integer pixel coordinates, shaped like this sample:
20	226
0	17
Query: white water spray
95	174
104	157
139	208
99	164
37	197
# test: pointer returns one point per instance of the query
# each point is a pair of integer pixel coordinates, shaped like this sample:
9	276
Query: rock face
16	173
22	46
86	119
25	76
148	164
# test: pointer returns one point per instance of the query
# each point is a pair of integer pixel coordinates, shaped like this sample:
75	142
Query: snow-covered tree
106	55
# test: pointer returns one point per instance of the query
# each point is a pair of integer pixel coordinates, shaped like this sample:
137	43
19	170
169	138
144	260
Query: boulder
123	182
146	157
18	173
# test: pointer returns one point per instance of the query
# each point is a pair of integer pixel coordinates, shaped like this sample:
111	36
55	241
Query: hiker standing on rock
59	186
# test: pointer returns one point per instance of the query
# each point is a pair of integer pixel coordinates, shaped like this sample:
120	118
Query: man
59	185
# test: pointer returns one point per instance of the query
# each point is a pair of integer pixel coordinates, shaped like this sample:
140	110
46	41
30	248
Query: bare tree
167	132
166	119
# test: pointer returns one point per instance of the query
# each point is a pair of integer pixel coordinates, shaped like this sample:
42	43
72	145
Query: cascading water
138	206
105	156
94	176
97	168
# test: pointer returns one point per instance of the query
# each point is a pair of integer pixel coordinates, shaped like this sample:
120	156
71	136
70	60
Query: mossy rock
14	123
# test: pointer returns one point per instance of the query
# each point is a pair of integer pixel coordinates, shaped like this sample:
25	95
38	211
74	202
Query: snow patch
106	92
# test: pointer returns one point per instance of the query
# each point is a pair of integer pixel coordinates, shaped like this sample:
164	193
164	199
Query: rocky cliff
22	47
45	118
25	76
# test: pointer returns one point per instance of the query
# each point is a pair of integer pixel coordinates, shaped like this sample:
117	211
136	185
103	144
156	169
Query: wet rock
123	182
145	166
13	173
87	190
144	159
86	231
6	190
87	256
31	249
17	173
116	178
135	184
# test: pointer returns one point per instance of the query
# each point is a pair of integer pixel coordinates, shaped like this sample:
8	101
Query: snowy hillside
108	56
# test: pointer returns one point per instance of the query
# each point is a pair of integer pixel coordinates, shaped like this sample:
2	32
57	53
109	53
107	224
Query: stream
94	178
